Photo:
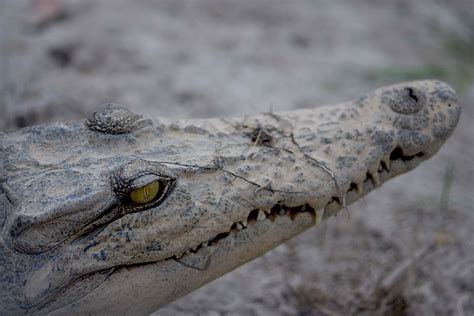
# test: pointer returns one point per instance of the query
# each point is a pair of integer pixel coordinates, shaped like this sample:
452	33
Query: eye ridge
124	205
139	174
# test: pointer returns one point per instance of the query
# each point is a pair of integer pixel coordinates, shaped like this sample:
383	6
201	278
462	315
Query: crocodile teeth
195	248
360	187
386	161
343	199
261	216
376	178
303	208
239	226
244	223
380	169
204	244
373	176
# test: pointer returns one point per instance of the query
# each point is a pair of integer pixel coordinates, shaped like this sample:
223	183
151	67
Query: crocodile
122	214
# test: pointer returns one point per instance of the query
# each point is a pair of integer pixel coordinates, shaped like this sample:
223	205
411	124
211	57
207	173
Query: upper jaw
267	205
281	222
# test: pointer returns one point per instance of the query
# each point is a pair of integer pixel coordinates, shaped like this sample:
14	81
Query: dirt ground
61	59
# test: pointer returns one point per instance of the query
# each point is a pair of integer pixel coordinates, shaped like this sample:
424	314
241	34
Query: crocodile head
121	214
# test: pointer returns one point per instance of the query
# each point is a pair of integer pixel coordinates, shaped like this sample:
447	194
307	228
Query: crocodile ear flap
57	210
41	237
33	241
47	234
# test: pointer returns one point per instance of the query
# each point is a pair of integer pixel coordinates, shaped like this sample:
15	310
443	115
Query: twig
393	284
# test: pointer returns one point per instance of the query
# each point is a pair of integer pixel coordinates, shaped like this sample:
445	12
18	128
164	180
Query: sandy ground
61	59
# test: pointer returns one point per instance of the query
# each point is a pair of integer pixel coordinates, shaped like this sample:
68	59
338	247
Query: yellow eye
145	194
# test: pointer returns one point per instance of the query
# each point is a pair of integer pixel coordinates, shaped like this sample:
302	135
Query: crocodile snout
446	110
423	113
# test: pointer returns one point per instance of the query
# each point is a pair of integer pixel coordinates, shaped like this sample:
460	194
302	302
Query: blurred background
408	248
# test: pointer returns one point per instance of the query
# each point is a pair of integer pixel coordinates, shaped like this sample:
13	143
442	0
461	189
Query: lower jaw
397	168
156	284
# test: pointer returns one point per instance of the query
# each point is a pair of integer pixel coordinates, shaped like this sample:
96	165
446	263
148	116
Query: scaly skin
73	242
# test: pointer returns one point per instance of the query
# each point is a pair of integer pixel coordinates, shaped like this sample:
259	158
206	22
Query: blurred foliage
447	186
457	69
461	48
409	73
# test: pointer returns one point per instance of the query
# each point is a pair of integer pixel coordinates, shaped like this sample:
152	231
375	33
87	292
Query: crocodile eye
145	194
140	185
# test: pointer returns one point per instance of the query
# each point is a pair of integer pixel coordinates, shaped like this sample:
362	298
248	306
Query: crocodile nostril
412	95
407	101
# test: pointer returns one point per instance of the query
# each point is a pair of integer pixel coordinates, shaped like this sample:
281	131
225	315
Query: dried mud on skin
219	58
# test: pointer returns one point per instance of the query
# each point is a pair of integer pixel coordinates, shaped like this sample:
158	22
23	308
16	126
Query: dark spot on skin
420	122
222	135
383	140
412	138
90	246
439	117
440	131
174	127
345	161
101	256
421	140
445	95
194	130
154	247
326	141
361	101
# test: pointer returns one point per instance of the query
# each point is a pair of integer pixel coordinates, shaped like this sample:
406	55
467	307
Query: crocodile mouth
397	163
